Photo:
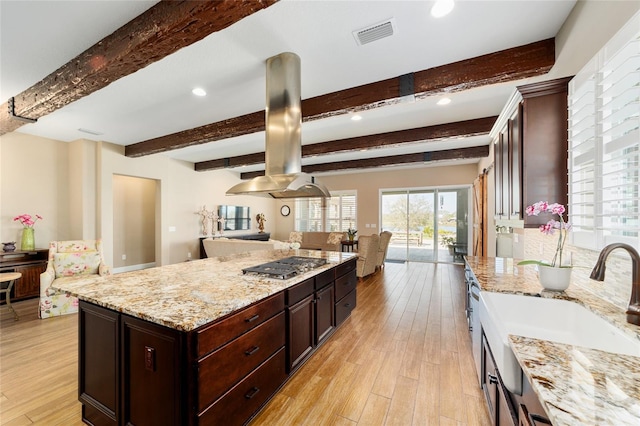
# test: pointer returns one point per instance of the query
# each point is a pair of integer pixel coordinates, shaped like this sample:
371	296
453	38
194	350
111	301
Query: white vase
555	279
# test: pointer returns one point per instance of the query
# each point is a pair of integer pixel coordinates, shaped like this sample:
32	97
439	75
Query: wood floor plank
375	410
403	357
451	401
427	408
404	400
362	385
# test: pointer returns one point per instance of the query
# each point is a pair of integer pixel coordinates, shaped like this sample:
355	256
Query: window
337	214
604	144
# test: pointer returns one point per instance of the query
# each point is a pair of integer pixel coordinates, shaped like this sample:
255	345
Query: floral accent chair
69	261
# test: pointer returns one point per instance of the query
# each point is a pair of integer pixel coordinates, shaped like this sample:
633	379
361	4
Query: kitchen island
574	385
201	343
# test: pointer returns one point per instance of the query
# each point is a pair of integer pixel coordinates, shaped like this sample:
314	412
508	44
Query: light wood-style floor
403	358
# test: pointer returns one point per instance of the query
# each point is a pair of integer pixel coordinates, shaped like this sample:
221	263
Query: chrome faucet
633	311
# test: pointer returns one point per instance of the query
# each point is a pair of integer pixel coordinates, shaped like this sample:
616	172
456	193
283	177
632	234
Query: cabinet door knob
252	350
254	390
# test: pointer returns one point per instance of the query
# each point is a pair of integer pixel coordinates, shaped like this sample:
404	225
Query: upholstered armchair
383	245
367	255
68	261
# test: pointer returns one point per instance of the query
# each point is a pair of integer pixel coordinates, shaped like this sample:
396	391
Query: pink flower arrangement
27	220
549	228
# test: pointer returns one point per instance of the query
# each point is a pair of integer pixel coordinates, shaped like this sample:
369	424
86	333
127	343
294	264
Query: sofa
328	241
226	246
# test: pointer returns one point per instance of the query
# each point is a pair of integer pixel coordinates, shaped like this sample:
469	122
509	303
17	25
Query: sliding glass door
428	225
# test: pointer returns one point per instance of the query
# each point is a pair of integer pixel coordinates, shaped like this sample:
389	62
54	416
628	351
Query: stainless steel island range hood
283	147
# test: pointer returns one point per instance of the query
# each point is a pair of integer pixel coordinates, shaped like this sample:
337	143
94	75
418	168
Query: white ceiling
37	37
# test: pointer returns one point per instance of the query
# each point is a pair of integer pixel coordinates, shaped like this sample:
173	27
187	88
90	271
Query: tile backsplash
616	287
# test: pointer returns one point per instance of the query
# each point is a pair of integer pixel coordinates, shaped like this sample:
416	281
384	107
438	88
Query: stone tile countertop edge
575	385
185	296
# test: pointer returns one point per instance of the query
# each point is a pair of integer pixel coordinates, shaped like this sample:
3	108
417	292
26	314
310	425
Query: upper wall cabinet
530	151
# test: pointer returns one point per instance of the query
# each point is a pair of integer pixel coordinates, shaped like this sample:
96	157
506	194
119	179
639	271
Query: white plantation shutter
604	141
338	215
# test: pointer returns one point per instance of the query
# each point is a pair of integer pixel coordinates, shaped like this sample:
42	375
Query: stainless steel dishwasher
475	327
473	317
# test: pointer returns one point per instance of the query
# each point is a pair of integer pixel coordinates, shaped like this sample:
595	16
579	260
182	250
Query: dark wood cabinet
30	264
325	313
134	372
530	153
497	396
99	362
152	362
346	282
301	324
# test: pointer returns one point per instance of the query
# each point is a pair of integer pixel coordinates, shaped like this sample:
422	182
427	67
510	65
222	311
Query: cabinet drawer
325	278
221	369
216	335
345	306
245	398
346	267
345	284
299	291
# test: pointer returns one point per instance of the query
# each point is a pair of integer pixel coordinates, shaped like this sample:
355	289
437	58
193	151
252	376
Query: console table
261	236
30	264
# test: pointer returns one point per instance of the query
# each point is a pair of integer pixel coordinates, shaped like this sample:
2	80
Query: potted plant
449	241
553	275
351	233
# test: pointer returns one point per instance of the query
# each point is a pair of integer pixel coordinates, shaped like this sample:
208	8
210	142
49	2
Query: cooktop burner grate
287	267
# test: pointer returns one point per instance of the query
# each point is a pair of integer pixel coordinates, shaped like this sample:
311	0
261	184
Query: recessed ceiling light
444	101
198	91
442	8
356	117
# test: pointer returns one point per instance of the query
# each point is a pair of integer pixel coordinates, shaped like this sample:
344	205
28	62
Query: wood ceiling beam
160	31
498	67
476	127
393	160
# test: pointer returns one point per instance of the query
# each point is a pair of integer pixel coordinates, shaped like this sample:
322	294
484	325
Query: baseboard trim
134	267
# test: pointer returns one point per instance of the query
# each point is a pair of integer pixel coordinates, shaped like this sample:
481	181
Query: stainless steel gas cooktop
287	267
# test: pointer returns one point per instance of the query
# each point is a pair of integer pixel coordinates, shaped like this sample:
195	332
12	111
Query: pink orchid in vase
27	220
549	228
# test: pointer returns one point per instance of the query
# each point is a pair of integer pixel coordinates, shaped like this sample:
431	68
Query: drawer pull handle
536	418
253	318
347	305
252	351
252	393
493	380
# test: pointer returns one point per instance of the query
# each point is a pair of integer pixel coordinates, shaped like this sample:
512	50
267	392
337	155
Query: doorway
428	225
134	223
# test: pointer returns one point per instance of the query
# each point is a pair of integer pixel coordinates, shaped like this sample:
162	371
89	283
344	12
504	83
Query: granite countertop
575	385
185	296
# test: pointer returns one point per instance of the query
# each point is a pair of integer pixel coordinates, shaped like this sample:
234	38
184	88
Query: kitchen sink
556	320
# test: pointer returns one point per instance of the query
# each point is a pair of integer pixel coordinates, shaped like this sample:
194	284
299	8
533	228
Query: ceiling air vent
375	32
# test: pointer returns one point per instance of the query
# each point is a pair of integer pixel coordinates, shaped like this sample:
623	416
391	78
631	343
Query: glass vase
28	239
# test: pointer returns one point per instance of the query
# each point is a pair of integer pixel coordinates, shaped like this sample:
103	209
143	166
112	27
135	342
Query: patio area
420	253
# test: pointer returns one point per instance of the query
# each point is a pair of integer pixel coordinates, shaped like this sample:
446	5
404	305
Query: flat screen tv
236	218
